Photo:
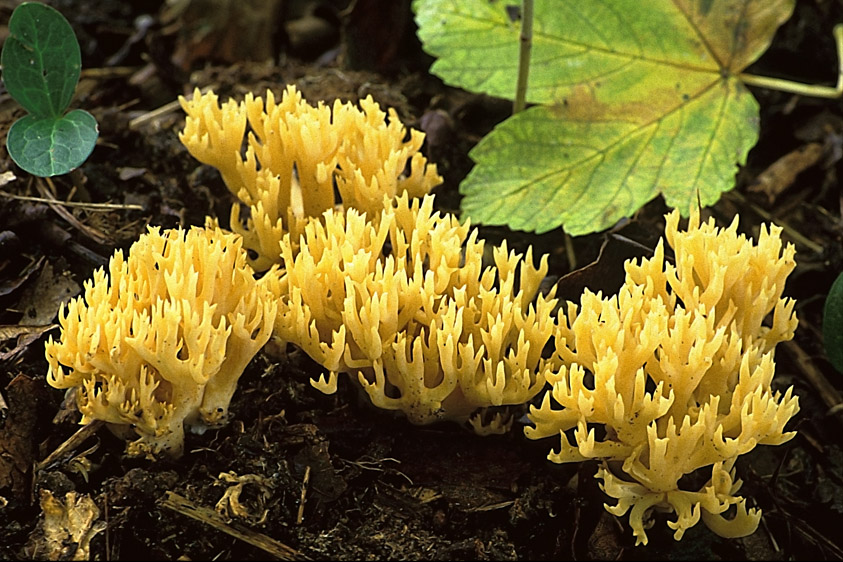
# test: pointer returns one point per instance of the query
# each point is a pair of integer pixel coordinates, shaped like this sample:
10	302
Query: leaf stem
524	56
798	87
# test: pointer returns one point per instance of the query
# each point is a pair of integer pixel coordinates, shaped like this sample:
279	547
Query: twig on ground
830	395
70	444
82	205
794	234
304	483
155	115
55	205
209	517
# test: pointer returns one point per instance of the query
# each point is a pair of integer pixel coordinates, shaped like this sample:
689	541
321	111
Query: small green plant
833	324
41	63
629	99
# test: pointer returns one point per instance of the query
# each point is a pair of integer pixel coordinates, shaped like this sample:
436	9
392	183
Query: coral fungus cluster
374	283
297	155
668	379
674	373
424	326
159	341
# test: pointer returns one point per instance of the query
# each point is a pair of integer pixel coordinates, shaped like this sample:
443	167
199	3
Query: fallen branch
209	517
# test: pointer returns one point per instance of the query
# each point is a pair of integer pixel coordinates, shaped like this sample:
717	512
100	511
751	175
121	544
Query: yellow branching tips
673	375
160	340
372	282
297	155
403	303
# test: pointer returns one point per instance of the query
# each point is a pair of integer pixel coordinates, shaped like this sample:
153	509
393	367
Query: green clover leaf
41	64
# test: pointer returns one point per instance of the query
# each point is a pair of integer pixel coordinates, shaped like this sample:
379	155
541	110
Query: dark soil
333	477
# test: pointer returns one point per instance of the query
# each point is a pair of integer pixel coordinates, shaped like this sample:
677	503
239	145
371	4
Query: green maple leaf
636	99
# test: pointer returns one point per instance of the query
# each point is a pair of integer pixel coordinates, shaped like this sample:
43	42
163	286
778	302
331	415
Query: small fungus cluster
674	373
159	341
424	326
670	377
297	155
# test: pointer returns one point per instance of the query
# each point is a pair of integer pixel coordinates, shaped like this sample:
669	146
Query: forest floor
331	477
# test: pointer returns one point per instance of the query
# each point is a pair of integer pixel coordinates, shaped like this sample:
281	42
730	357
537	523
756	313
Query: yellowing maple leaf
637	98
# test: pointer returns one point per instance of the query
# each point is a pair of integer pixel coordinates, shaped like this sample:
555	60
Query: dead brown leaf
226	31
40	302
9	285
17	434
781	174
25	336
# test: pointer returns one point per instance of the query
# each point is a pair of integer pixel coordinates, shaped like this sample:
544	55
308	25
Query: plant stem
524	56
798	87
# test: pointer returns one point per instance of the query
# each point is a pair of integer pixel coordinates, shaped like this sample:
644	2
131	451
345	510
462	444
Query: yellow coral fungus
297	155
159	341
404	304
675	374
